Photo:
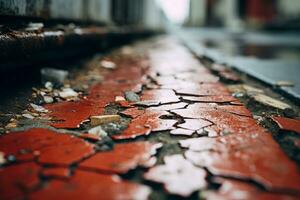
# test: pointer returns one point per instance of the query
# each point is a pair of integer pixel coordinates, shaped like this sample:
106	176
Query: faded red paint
287	123
91	186
235	109
206	89
47	146
122	158
158	96
133	112
211	99
197	77
168	107
253	156
186	77
15	180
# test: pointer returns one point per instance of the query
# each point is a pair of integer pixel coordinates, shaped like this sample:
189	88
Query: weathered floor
183	136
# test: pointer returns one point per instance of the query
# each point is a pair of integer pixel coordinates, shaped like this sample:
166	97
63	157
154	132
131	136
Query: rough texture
202	131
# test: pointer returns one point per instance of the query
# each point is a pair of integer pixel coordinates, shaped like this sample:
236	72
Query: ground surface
173	128
271	57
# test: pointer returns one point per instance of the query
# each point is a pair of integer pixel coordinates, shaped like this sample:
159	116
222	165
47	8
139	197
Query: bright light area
176	10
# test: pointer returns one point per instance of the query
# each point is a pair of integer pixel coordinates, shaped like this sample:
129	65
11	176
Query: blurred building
245	13
144	13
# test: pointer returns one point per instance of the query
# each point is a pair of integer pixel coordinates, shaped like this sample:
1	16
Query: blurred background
234	14
258	37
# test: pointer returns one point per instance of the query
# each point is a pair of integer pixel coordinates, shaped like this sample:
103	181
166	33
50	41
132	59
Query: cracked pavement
185	136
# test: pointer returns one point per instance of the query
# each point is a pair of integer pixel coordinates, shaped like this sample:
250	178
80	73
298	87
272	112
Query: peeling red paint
71	114
125	104
287	123
224	121
133	112
145	123
244	156
90	186
235	147
127	77
178	175
234	109
47	146
16	179
122	158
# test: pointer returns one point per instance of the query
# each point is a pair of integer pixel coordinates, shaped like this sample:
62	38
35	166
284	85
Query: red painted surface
127	77
122	158
211	99
133	112
46	146
168	107
90	186
71	114
179	96
287	124
194	89
15	180
57	172
224	121
254	156
143	124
